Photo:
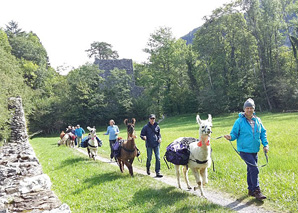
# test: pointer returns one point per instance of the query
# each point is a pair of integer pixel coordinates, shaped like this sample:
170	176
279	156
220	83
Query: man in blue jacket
249	131
151	134
79	134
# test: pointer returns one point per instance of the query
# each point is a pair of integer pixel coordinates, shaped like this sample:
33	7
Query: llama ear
199	119
126	122
210	118
133	121
88	127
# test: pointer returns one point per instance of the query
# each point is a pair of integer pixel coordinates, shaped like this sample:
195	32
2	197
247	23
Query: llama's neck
131	140
93	140
204	139
202	152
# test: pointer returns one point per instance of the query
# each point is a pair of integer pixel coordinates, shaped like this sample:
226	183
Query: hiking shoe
251	193
159	175
148	171
258	194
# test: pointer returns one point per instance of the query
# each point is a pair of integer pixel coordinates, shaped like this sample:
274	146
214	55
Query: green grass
92	186
278	180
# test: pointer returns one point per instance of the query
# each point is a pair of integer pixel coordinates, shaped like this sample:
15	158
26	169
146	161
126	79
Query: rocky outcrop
122	64
23	185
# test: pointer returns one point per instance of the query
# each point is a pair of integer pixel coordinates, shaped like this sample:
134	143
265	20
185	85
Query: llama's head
205	125
92	131
130	126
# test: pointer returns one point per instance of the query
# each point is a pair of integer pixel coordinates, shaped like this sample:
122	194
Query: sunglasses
152	118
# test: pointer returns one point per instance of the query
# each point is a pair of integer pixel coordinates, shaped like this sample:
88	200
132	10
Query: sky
67	28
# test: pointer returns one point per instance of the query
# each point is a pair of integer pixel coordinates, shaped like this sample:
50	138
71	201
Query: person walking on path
113	132
79	131
151	134
249	131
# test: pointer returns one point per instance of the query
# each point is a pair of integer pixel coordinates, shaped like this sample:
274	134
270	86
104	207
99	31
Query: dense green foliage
24	72
12	84
247	48
89	186
241	51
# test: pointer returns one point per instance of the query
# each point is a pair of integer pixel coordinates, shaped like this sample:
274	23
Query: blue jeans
157	157
252	171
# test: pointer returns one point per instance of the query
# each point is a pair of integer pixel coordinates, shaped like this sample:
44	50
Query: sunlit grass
278	180
92	186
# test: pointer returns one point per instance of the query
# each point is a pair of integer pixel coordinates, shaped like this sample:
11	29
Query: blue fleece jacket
247	140
112	130
79	132
152	133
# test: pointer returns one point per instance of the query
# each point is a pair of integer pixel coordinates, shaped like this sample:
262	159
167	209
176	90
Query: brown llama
62	134
128	148
67	139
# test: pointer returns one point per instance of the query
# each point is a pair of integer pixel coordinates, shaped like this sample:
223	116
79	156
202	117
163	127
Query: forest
247	48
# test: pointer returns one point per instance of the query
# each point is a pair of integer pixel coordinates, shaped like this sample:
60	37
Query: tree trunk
209	75
193	80
262	69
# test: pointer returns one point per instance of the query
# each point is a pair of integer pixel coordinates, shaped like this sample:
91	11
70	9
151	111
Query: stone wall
23	185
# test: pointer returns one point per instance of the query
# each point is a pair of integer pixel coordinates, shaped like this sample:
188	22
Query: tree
12	29
4	43
266	22
165	77
117	91
29	47
102	50
225	50
86	98
12	85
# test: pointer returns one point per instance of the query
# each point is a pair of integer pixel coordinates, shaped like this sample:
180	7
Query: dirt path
240	205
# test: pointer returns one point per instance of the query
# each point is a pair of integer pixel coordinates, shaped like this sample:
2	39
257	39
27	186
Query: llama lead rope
266	156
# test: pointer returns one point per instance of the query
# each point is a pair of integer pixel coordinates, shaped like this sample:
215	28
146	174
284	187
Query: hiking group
248	130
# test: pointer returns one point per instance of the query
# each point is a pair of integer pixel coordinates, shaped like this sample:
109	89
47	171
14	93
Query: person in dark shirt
151	134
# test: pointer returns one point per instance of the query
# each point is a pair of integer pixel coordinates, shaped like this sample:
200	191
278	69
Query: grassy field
278	180
92	186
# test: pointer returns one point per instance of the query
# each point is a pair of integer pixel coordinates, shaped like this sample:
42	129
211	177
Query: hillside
190	36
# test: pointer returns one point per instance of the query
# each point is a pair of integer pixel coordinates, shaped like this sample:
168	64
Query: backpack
84	143
99	141
178	151
117	148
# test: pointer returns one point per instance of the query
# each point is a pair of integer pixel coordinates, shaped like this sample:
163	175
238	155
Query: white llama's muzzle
206	130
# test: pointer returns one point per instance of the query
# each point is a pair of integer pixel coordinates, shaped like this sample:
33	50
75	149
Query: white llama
92	143
200	155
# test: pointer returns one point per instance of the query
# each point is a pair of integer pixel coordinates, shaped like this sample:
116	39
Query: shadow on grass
100	179
165	196
168	196
236	207
71	161
204	207
56	144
